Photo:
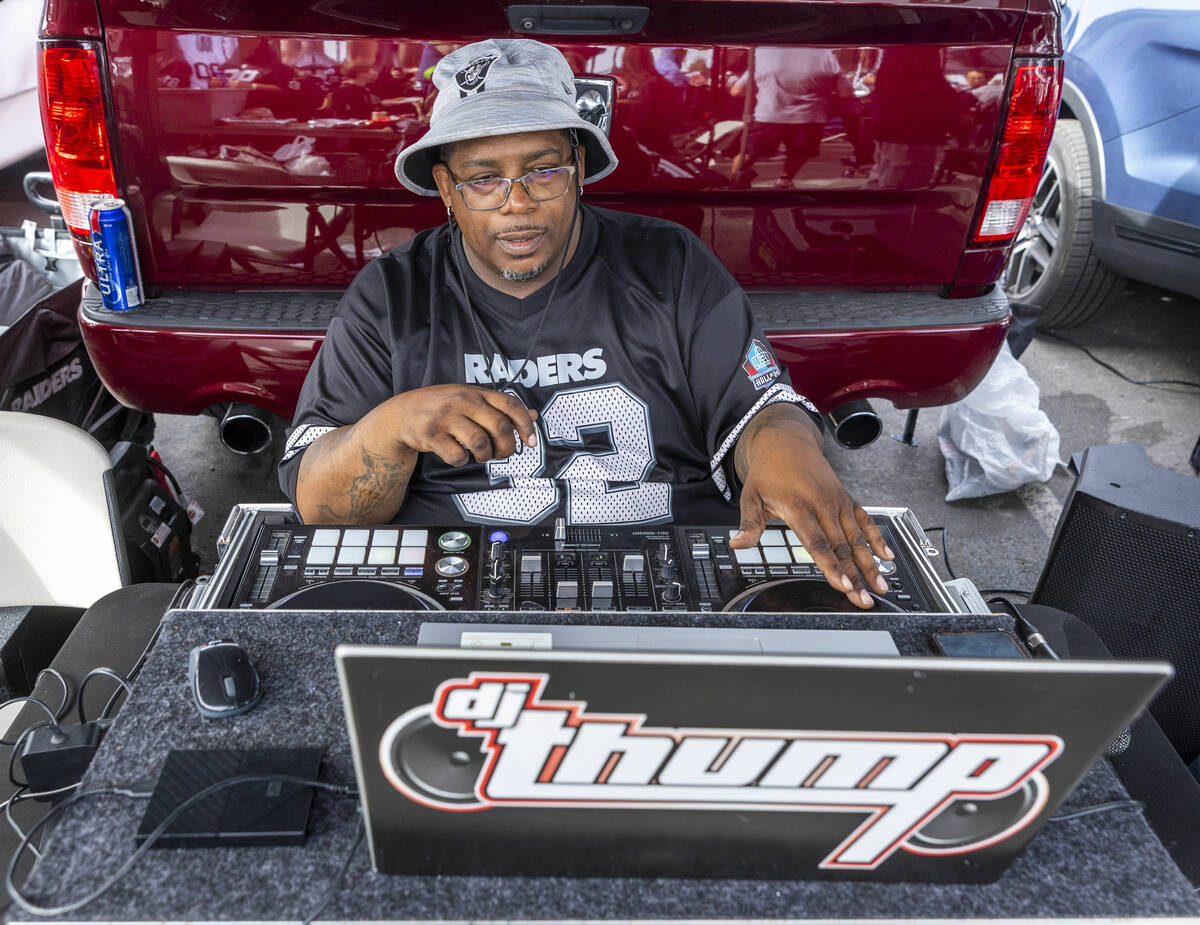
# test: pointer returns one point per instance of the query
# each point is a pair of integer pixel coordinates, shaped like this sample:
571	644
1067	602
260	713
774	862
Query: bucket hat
501	87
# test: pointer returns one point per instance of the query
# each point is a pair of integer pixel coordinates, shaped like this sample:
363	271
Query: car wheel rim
1034	249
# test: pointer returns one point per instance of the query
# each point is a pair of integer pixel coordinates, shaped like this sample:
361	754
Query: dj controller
270	561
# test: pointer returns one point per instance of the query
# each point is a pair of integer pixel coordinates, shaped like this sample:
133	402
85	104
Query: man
535	358
794	92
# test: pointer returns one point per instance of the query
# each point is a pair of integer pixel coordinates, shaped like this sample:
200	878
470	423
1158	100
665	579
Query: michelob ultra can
117	271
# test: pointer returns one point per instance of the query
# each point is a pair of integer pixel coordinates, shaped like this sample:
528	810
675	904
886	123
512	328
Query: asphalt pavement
1000	541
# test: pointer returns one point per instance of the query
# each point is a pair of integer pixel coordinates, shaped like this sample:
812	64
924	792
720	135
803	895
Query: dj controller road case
270	560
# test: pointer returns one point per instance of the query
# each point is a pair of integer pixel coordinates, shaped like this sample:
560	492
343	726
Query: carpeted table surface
1108	864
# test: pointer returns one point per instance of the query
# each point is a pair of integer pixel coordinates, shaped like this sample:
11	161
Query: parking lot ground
1001	541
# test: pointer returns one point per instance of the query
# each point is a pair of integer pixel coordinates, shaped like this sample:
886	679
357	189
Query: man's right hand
360	473
460	422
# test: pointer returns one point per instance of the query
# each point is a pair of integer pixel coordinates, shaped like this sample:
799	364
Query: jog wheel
437	762
356	594
967	822
800	595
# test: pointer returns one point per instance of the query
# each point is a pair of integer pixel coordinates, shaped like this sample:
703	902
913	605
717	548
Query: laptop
542	762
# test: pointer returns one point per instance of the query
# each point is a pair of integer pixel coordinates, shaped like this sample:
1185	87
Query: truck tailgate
256	140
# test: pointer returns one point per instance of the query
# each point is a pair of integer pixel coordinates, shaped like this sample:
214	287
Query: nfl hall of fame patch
760	365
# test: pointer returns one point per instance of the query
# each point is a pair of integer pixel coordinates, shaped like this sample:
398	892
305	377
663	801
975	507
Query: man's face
516	248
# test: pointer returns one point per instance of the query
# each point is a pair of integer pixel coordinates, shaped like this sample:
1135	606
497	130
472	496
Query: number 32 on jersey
602	487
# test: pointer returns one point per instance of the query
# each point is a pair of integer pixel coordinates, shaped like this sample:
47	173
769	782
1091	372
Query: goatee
521	276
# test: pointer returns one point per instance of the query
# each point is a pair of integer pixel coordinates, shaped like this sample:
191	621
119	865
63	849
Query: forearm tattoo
375	493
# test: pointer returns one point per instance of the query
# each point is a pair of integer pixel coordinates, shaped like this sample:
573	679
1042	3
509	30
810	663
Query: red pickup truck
860	167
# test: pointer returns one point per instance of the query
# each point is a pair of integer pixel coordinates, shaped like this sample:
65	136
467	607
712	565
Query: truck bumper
183	354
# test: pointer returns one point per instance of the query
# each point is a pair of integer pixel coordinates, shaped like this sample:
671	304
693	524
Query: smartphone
979	644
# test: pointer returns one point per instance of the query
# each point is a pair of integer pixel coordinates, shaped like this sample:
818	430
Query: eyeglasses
540	185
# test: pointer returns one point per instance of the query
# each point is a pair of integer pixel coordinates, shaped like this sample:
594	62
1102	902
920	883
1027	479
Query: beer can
118	274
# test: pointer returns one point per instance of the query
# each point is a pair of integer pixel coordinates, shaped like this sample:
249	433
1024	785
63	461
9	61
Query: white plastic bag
298	158
297	147
997	438
309	165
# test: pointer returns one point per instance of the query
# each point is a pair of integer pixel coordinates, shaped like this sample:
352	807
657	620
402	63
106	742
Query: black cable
146	845
112	702
133	672
8	805
462	282
19	797
53	719
337	882
16	745
137	667
1034	641
158	463
1153	383
1019	591
1004	602
26	837
66	686
55	715
945	553
22	795
58	715
1098	808
107	672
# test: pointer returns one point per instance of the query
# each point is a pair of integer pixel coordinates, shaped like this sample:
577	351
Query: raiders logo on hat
470	79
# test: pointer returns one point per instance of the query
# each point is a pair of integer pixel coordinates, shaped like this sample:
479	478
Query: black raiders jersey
647	368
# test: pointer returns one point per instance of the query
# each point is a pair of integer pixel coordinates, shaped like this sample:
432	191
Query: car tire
1053	264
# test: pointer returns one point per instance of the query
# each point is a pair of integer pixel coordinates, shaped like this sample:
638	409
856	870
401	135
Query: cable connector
55	757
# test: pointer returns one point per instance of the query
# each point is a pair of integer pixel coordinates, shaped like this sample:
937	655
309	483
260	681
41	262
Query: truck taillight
77	146
1032	112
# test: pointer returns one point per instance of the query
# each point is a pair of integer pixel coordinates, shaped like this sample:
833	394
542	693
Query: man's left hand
785	475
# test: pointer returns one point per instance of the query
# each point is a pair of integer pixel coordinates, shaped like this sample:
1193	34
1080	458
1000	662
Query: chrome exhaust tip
245	429
854	424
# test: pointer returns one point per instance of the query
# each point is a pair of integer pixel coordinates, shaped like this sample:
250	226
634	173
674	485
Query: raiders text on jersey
552	369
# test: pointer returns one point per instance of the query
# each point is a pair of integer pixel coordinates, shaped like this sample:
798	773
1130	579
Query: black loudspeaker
1125	559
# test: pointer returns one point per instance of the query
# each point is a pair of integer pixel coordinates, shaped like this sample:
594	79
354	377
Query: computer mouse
223	680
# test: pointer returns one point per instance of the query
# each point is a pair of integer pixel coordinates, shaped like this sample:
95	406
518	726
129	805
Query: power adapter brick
56	757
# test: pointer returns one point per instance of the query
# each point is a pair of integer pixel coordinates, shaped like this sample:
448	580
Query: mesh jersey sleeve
351	374
731	367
